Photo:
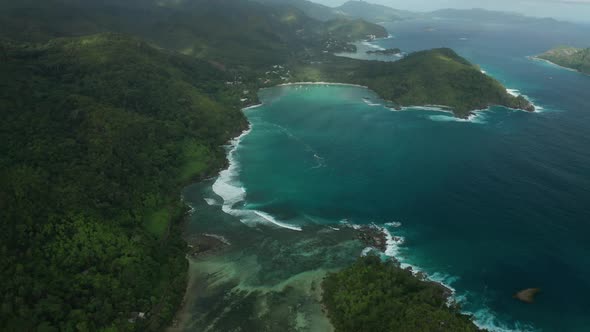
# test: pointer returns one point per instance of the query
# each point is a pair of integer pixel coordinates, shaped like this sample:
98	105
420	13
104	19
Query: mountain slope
230	32
372	12
311	9
207	29
98	133
352	10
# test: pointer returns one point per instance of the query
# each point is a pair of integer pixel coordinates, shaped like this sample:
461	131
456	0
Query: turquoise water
489	206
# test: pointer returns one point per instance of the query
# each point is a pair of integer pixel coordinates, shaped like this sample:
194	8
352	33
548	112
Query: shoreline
320	83
232	194
536	58
252	106
516	93
472	115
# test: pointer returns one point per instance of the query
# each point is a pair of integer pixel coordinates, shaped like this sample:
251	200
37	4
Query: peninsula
432	77
577	59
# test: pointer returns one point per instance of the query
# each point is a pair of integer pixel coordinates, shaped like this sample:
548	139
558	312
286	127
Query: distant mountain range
359	9
478	14
351	9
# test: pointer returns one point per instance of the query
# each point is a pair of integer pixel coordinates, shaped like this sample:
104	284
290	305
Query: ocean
488	206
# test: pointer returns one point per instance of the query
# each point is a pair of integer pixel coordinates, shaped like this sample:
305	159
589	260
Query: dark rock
527	295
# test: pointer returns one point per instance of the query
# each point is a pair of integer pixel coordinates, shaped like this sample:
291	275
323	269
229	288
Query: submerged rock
527	295
202	244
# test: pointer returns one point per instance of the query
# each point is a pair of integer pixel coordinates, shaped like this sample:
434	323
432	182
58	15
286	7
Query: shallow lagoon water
489	206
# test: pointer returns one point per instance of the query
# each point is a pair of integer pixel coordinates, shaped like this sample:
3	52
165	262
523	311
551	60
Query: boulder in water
527	295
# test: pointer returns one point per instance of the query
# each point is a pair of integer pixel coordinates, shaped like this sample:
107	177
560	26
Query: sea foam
369	103
210	201
232	192
394	224
225	186
476	117
392	243
275	222
371	45
486	319
516	93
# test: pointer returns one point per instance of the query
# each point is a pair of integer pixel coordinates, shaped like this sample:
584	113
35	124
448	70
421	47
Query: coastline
516	93
536	58
383	240
391	242
320	83
470	117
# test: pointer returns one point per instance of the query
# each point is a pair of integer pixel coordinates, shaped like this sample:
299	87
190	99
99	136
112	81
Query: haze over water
490	206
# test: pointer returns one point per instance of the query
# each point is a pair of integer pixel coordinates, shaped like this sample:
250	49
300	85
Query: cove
478	203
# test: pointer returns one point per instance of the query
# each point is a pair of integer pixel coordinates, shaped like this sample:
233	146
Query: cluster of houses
278	72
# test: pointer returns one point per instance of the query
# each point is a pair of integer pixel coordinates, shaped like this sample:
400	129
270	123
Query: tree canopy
376	296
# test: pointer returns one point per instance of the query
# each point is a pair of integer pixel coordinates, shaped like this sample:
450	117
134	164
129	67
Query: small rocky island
389	51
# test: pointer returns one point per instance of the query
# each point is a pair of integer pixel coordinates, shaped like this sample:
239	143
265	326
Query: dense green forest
98	135
235	33
569	57
376	296
110	107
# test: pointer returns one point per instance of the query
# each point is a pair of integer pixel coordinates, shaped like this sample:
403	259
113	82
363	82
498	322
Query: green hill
352	30
434	77
310	8
569	57
230	32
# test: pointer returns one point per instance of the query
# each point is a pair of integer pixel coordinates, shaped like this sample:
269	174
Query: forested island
108	113
577	59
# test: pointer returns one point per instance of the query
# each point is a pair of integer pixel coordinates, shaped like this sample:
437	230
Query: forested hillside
569	57
232	32
377	296
432	77
98	134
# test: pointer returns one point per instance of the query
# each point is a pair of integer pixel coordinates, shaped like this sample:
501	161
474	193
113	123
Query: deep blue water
490	206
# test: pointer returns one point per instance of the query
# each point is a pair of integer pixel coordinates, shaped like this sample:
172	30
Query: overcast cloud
573	10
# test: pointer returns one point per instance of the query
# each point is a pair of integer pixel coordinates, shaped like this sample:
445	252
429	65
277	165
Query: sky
571	10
